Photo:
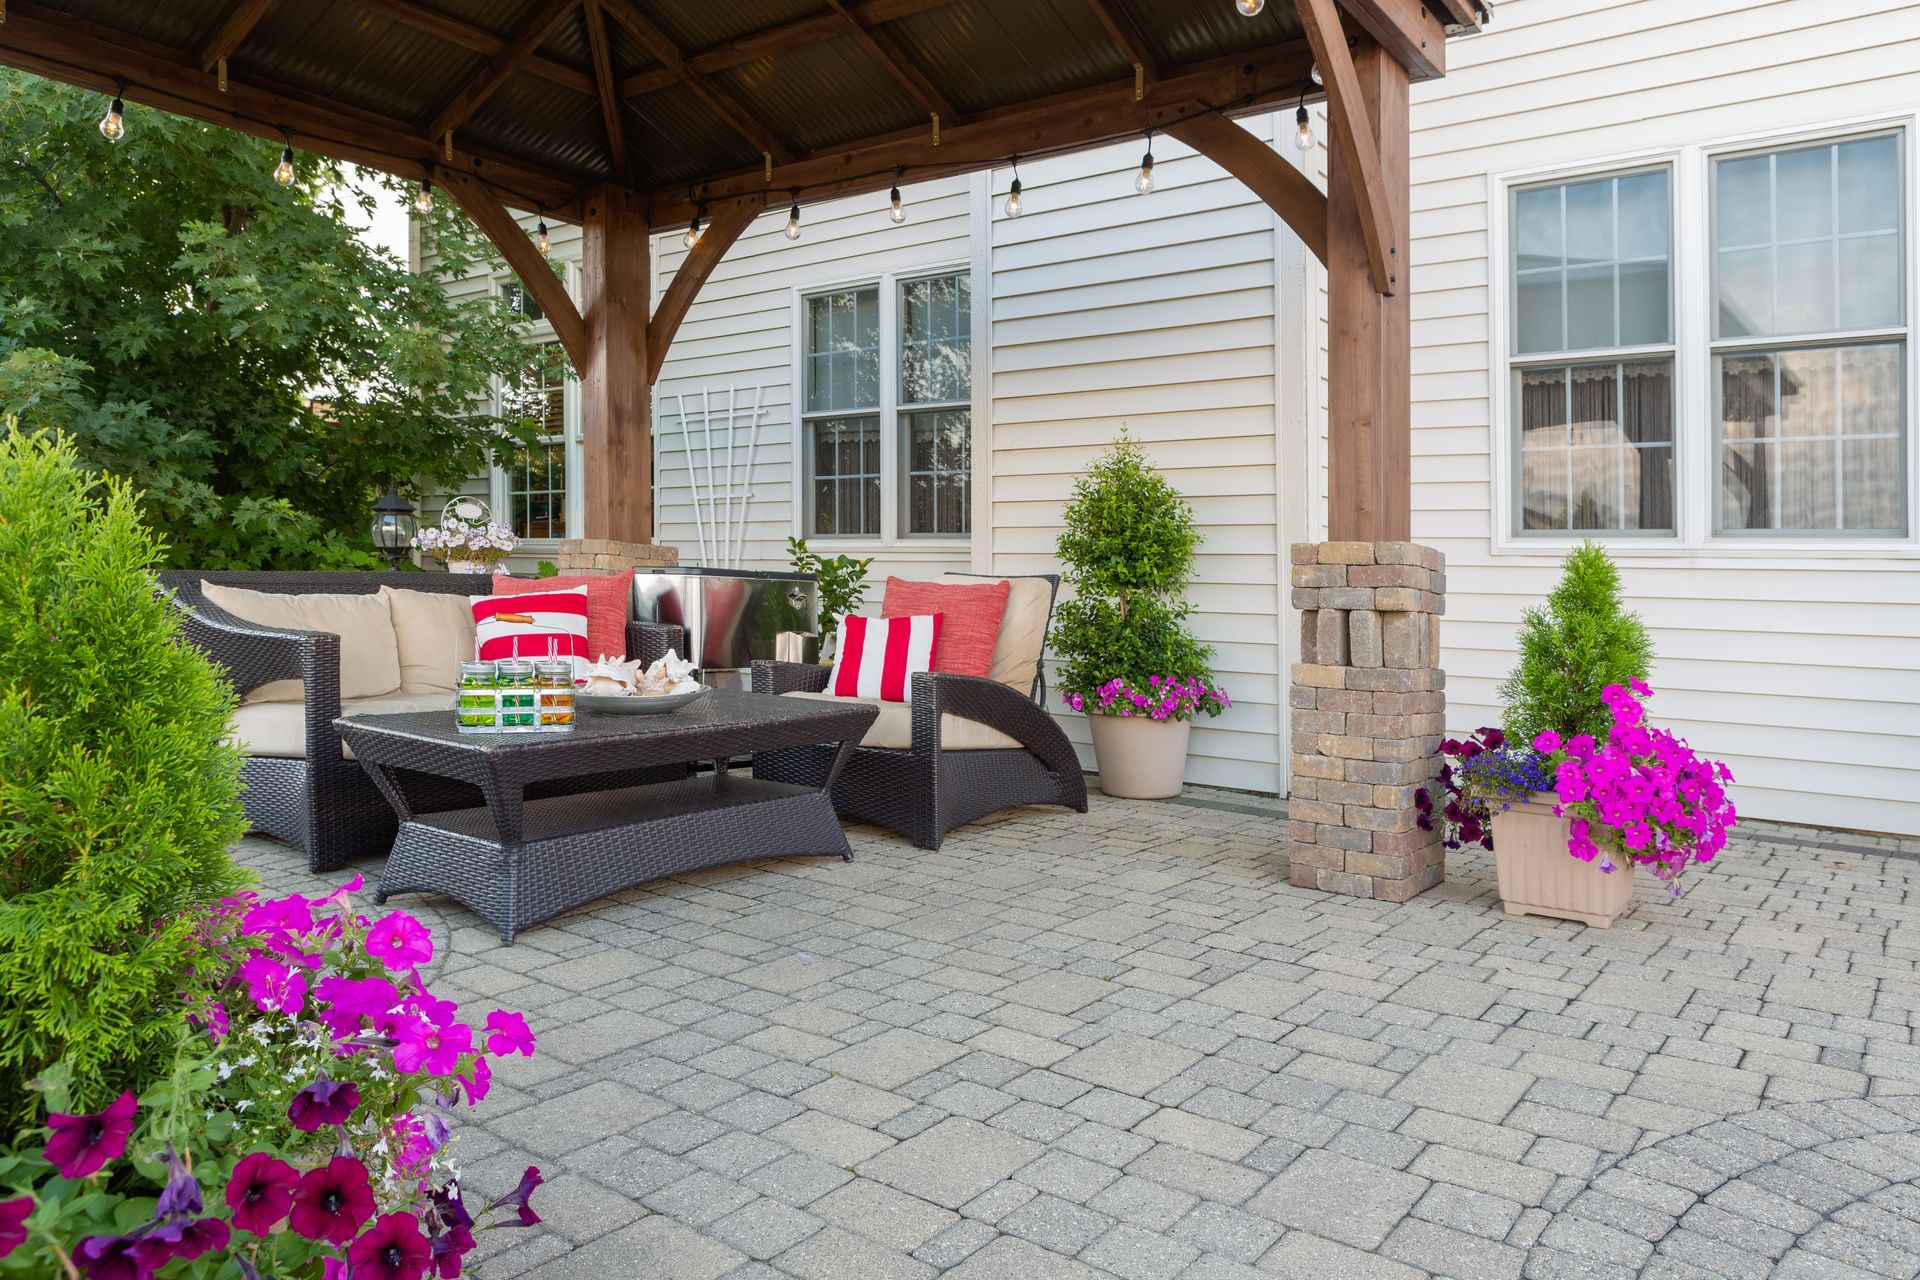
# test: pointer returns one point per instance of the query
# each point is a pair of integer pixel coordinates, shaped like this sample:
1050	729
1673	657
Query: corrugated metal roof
800	94
987	53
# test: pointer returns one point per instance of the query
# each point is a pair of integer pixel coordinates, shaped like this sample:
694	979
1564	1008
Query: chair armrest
252	655
993	704
648	642
789	677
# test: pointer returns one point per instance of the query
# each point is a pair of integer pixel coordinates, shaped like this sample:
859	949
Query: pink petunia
507	1033
400	942
273	986
431	1047
13	1223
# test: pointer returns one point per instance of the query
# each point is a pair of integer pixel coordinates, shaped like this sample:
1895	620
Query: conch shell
671	674
616	677
609	678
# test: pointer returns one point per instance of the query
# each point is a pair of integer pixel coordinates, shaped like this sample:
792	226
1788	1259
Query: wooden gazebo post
616	378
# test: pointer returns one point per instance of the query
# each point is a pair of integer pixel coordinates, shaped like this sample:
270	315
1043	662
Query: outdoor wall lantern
393	525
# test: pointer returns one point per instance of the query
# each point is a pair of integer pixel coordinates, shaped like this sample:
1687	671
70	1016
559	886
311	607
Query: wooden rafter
54	44
241	20
475	39
898	65
534	268
607	92
1411	30
722	103
1263	171
798	34
729	220
1126	36
520	48
1463	13
1353	137
1081	117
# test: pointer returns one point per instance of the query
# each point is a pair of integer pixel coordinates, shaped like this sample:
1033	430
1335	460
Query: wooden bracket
1264	171
936	128
1353	137
535	269
729	221
240	22
223	75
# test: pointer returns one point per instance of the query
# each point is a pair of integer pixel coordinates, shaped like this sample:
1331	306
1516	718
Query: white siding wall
1802	671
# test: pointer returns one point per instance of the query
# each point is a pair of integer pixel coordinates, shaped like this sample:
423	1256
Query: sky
388	227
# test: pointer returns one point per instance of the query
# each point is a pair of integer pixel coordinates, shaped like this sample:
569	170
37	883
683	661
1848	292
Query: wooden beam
1263	171
898	65
805	31
1369	334
725	227
534	268
1354	145
61	47
655	42
1079	118
606	91
476	39
1461	13
1126	36
1411	30
616	390
241	20
495	73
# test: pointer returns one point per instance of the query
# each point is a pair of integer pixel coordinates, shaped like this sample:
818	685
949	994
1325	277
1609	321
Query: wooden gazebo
624	115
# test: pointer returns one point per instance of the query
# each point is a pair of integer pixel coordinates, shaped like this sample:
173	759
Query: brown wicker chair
923	792
324	803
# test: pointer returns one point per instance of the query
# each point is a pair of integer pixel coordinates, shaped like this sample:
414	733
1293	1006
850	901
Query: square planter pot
1538	877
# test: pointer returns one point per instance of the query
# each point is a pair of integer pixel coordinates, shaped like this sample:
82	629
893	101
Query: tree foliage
1583	640
227	343
117	798
1127	552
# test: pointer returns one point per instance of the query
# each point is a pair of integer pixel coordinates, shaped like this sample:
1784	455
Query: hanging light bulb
283	172
897	209
113	125
793	217
423	199
1249	8
1303	129
541	240
1013	192
1144	183
692	237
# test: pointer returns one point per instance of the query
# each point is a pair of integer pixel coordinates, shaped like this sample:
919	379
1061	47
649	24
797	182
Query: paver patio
1121	1045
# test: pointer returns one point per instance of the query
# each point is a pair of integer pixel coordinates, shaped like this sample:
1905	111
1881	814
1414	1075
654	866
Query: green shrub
1572	649
117	799
839	583
1127	552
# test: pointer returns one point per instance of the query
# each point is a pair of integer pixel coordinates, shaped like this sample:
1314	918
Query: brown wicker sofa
302	786
963	748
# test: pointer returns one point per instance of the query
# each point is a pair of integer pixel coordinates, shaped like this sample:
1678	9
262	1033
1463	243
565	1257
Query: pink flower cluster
1643	791
1164	698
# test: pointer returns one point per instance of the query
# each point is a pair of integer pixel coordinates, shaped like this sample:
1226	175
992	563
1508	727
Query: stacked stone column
603	555
1369	711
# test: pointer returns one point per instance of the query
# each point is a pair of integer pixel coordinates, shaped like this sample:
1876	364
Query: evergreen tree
1583	640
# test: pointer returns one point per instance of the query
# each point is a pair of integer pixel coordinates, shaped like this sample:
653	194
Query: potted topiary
1127	657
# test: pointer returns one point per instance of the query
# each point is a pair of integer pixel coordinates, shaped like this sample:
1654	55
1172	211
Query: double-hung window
1810	339
887	408
1593	367
535	484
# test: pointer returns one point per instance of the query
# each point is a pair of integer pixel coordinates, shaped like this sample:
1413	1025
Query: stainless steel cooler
732	616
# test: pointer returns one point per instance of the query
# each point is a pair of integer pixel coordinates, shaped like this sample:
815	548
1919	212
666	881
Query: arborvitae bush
1583	640
1127	551
117	798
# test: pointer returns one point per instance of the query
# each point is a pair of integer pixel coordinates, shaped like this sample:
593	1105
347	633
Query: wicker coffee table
518	861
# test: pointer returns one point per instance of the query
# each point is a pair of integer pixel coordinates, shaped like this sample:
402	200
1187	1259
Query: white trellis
721	495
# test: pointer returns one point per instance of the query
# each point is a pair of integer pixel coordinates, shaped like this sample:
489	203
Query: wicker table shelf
518	861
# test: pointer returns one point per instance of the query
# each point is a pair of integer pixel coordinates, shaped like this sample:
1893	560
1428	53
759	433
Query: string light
423	200
1013	192
1249	8
1144	183
113	125
793	216
541	240
1302	125
283	172
898	210
693	228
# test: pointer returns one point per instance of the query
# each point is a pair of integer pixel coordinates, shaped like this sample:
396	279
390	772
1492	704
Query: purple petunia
323	1102
81	1145
260	1192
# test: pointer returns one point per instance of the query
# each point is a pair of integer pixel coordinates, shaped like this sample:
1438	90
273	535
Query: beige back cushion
435	630
369	649
1023	631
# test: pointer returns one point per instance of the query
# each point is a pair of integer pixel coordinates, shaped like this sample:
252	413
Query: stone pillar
603	555
1369	711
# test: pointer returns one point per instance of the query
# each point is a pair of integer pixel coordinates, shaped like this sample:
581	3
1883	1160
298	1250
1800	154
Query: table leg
840	758
506	799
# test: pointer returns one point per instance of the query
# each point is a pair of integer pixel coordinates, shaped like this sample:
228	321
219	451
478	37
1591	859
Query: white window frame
500	479
1696	465
893	517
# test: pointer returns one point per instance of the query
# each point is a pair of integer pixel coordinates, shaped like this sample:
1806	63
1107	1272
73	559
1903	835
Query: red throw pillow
970	619
523	624
878	657
608	597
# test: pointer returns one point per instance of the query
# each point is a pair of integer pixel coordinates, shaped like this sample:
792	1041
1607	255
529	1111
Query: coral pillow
609	597
522	624
971	619
878	657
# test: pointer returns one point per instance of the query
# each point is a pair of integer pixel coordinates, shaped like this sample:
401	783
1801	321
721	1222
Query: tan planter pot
1539	878
1140	758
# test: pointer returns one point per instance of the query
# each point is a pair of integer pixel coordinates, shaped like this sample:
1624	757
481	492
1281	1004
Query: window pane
1870	388
1809	393
1746	292
936	347
1746	397
1803	182
1643	215
537	478
1536	216
845	459
1646	401
1591	264
1870	475
1870	185
1543	407
1743	202
1807	484
842	367
1870	282
1589	223
1590	308
1596	448
1803	290
1746	486
1644	318
938	449
1537	319
1543	483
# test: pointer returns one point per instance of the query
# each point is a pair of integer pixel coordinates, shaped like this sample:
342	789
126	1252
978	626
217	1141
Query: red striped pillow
878	657
522	625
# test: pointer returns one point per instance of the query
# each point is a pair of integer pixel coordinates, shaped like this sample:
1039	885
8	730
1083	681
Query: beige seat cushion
279	729
435	631
1023	631
894	728
369	649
